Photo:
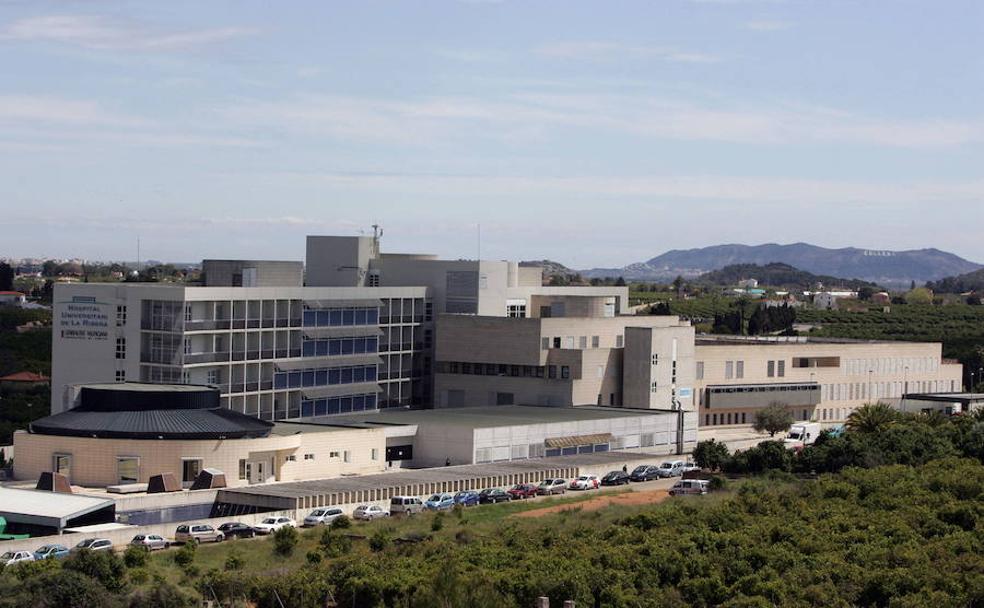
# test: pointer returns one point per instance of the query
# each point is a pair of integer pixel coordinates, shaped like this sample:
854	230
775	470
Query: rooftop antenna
377	233
138	252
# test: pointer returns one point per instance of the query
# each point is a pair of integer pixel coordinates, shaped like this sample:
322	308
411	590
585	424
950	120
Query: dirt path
649	497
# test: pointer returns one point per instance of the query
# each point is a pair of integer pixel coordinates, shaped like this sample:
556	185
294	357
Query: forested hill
971	281
889	268
777	275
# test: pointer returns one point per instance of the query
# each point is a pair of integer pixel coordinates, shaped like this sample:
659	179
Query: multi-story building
627	361
274	352
817	379
477	287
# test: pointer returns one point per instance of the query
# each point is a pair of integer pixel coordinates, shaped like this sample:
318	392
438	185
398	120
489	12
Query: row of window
580	342
339	346
324	376
341	317
337	405
738	418
500	369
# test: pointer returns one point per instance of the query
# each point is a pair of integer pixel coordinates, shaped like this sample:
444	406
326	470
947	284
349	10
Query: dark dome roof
151	412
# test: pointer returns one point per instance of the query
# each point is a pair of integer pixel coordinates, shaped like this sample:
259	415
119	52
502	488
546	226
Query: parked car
439	502
15	557
272	524
690	486
150	542
671	468
369	512
406	505
94	544
552	486
467	498
644	472
235	529
690	466
615	478
491	496
322	516
585	482
197	533
522	490
51	552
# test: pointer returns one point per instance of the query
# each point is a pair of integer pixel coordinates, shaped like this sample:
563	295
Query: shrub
334	544
233	562
313	557
710	454
284	540
104	566
437	523
185	555
341	522
379	541
163	595
135	557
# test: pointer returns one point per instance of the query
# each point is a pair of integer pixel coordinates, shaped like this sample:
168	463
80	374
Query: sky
591	133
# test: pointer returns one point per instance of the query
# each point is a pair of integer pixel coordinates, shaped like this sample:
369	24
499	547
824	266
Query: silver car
324	515
94	544
671	468
369	512
150	542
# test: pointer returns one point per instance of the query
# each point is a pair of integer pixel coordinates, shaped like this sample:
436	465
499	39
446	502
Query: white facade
274	352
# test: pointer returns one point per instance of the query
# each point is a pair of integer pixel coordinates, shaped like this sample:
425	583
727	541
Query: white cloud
48	109
524	117
766	25
95	32
610	50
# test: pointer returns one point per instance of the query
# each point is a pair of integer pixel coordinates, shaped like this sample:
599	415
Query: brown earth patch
649	497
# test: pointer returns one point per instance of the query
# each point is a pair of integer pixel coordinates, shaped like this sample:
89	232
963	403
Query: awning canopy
578	440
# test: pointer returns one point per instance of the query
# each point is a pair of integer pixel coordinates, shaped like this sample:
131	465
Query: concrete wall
265	273
94	461
669	345
338	261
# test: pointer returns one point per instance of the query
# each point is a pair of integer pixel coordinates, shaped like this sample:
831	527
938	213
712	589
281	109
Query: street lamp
870	371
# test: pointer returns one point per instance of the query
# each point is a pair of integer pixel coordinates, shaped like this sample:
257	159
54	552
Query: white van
406	505
690	486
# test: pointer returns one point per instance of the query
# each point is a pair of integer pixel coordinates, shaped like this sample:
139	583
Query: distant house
22	381
12	298
827	300
748	283
882	297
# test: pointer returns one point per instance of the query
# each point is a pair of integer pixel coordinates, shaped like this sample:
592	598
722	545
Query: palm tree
872	418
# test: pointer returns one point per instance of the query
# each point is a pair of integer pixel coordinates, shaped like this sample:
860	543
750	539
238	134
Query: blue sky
592	133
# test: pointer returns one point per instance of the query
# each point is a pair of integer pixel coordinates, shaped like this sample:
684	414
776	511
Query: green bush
185	556
233	562
105	566
437	524
379	540
284	540
135	557
341	522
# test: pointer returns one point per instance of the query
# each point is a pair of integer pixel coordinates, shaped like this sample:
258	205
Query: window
346	456
771	369
551	371
707	420
62	464
212	376
243	470
128	469
653	388
556	342
700	370
565	372
729	369
333	454
619	341
655	358
743	417
568	341
582	342
190	468
782	368
121	348
309	457
595	341
120	316
374	454
544	343
739	369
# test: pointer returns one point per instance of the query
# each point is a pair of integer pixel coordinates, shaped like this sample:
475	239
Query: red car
522	490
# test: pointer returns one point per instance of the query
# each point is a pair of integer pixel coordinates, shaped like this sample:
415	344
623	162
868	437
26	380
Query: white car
94	544
272	524
15	557
369	512
585	482
689	467
322	516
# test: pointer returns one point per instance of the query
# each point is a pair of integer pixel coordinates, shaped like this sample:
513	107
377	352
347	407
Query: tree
865	293
284	540
163	595
919	295
6	277
773	419
620	282
872	418
678	285
710	454
105	566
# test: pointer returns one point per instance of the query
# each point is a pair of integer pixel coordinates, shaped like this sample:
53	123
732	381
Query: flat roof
295	427
724	340
405	477
146	386
482	416
47	508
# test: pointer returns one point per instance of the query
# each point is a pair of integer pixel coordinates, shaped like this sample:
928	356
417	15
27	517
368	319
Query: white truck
802	434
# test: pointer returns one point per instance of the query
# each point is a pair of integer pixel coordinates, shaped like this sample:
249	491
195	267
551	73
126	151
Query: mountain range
888	268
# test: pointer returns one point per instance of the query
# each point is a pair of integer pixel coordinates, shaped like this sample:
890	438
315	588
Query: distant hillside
971	281
777	275
890	268
550	268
